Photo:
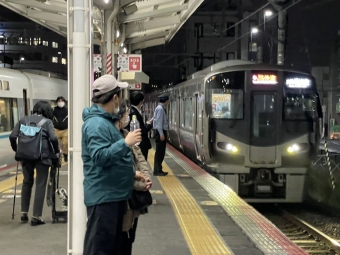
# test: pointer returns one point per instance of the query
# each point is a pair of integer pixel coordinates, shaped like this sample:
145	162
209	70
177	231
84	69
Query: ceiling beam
40	5
148	4
140	16
146	44
50	17
156	23
146	37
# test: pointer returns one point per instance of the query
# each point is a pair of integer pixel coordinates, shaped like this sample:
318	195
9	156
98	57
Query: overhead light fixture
125	50
122	44
117	33
254	30
268	13
106	1
22	59
130	9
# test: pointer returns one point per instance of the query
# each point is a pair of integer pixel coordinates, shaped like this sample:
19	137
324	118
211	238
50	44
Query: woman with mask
141	165
60	122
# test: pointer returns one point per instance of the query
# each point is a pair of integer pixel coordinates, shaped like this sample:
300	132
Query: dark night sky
312	30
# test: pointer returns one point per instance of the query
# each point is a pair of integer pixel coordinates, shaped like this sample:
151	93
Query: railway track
303	234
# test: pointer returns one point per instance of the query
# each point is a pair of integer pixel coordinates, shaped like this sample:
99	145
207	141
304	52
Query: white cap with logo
106	83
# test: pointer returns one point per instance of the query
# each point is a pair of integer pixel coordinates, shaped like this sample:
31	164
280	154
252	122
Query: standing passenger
60	122
108	168
41	110
137	100
161	126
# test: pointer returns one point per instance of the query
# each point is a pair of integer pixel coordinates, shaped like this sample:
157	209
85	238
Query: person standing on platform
161	126
108	168
137	100
60	122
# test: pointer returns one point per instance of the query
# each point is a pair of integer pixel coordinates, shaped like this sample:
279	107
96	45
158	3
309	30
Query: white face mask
126	122
61	104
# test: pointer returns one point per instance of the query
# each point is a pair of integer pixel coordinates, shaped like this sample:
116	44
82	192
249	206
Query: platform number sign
129	63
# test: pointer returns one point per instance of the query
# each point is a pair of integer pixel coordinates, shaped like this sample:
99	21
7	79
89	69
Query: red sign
137	86
134	64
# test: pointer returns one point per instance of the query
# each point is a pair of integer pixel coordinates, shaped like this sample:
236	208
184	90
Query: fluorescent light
268	13
122	44
254	30
106	1
117	33
124	50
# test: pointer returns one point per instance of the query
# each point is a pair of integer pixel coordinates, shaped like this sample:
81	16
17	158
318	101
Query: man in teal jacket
108	168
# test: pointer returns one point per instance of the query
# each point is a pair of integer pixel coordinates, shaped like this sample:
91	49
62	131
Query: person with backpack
60	123
37	148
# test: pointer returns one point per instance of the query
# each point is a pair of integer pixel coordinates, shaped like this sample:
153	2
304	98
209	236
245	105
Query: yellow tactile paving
201	237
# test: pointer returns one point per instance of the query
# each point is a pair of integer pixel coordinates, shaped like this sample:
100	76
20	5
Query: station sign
129	63
264	79
300	83
137	86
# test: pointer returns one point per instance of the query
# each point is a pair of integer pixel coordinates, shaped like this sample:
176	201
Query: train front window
225	95
299	106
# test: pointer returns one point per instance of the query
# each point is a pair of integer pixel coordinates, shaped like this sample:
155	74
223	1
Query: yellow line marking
199	234
10	182
9	191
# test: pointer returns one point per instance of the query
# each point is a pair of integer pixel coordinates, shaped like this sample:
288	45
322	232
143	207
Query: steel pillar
80	77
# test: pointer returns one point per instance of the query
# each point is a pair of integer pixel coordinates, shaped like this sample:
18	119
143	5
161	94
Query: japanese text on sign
129	63
264	79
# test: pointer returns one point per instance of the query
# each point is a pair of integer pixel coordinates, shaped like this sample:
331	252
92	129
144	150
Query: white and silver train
255	127
19	91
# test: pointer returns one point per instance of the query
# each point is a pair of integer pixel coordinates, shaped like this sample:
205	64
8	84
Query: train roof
236	65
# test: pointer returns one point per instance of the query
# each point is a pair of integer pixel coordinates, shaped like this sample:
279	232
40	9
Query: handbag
140	200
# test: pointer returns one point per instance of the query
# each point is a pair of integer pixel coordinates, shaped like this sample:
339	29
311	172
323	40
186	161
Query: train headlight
297	148
232	148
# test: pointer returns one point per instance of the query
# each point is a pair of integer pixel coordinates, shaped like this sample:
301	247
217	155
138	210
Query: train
255	127
19	91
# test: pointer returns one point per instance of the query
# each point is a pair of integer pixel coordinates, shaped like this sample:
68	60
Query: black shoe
36	222
160	174
65	157
24	217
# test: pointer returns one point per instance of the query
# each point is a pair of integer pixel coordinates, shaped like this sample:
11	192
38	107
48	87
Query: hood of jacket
97	111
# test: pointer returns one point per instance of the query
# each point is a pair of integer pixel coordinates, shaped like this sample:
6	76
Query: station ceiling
147	22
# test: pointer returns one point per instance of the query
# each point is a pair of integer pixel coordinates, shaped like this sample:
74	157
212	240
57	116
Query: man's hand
139	176
148	184
133	137
162	137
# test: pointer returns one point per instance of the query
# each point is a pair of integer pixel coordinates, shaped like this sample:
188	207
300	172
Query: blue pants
104	228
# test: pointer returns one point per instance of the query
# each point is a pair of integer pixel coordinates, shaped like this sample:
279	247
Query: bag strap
42	122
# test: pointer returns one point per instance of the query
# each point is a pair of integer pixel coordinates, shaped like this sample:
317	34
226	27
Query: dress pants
160	152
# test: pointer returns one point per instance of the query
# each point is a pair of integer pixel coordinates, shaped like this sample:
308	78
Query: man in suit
137	99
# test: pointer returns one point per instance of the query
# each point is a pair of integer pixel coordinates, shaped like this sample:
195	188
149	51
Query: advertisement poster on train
221	105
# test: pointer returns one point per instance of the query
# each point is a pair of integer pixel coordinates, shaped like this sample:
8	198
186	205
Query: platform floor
184	219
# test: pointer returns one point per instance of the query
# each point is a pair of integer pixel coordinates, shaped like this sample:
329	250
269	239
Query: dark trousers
40	189
160	152
128	239
145	152
104	228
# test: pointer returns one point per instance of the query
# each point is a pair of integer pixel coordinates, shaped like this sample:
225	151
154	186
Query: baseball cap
107	83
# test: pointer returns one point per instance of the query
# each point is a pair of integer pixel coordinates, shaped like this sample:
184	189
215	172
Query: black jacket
60	118
49	141
145	143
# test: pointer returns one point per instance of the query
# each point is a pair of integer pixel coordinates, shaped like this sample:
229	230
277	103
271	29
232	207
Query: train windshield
300	101
225	95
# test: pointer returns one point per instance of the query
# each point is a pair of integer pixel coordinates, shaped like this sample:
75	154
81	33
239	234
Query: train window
224	95
188	113
173	110
5	85
8	114
264	115
299	106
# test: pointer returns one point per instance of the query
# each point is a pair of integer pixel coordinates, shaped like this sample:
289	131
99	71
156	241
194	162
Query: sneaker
37	221
24	217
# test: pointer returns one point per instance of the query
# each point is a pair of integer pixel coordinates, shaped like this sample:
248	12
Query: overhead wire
247	33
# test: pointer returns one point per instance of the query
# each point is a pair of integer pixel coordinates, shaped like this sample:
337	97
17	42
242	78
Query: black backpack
30	140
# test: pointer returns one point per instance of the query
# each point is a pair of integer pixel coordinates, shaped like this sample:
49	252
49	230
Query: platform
193	213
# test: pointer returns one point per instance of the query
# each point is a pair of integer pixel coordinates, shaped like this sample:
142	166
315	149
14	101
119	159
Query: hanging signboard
129	63
97	62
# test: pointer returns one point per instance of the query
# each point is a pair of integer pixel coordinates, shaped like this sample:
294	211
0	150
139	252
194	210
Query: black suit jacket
145	143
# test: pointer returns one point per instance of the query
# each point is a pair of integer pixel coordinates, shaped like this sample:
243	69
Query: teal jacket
107	160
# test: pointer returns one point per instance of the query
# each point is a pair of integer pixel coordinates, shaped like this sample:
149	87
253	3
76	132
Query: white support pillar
80	77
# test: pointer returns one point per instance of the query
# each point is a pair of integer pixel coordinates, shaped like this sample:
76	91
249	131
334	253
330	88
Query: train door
24	96
264	128
197	126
